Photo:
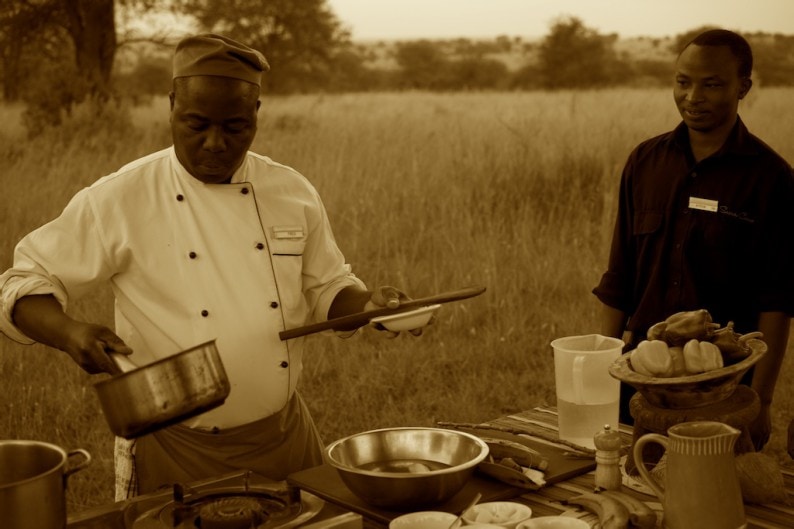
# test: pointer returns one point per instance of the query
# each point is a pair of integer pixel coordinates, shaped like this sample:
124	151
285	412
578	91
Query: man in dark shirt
706	219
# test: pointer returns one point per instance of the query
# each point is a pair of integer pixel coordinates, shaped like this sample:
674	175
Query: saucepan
33	478
164	392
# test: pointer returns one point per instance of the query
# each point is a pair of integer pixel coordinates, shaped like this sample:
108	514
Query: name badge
703	204
288	232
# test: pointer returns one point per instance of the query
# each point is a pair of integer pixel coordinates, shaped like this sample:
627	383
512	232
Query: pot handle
80	466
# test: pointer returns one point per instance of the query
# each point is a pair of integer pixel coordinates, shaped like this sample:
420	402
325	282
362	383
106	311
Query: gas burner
237	507
222	509
231	513
240	499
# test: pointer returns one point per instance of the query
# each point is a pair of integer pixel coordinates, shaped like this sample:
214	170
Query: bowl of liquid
406	468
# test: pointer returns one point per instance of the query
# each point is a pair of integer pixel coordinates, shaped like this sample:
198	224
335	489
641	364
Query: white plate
423	520
406	321
554	522
506	514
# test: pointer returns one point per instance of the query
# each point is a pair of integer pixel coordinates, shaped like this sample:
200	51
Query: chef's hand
89	346
386	296
760	428
391	297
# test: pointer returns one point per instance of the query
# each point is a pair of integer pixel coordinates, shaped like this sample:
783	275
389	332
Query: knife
359	319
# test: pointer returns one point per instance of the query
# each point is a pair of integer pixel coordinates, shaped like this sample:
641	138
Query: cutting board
324	481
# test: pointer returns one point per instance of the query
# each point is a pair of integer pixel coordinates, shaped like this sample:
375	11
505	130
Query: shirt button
205	313
274	304
180	198
675	283
285	364
192	255
244	191
260	246
694	174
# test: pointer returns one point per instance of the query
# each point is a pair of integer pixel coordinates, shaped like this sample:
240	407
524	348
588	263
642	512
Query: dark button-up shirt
715	234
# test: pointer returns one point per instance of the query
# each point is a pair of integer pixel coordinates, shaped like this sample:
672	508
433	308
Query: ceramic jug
701	488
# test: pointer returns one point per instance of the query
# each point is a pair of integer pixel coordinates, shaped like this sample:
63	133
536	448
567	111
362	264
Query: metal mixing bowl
406	468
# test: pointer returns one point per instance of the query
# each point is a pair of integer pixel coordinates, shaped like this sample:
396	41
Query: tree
300	38
478	73
92	28
685	38
574	56
56	53
87	27
773	60
422	64
21	25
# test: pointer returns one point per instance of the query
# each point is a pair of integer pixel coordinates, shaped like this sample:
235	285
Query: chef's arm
352	299
349	300
42	319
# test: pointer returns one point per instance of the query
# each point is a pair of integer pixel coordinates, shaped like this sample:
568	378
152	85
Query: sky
415	19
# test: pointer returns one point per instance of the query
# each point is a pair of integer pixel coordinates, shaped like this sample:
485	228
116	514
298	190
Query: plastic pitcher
588	397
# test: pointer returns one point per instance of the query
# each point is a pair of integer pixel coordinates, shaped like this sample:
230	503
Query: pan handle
122	363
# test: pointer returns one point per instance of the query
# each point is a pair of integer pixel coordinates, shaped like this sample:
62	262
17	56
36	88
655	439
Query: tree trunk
11	76
92	27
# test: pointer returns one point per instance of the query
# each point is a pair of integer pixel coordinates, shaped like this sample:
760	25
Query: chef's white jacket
190	262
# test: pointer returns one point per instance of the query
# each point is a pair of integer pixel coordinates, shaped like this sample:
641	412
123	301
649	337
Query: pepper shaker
607	472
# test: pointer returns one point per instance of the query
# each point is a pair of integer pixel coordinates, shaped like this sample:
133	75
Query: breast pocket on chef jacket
287	258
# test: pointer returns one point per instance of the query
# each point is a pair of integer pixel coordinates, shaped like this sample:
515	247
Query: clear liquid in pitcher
580	422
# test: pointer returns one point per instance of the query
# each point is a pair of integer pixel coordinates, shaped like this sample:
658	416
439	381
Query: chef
203	240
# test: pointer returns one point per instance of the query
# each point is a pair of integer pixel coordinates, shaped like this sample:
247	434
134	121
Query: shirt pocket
647	222
287	259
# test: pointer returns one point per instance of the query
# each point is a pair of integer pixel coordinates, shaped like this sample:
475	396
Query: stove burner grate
244	510
239	499
231	513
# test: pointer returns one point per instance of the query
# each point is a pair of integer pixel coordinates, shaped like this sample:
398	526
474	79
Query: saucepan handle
79	466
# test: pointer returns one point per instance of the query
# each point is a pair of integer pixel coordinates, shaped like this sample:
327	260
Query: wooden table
548	500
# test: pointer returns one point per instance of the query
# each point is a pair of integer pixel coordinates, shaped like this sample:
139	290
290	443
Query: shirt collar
739	141
239	176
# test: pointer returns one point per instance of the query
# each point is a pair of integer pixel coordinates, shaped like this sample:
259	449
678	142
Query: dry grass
429	192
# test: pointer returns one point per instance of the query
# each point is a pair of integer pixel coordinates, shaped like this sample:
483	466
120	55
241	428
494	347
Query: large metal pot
33	484
164	392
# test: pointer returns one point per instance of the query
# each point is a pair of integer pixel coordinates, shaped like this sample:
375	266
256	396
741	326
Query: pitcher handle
578	379
655	485
79	466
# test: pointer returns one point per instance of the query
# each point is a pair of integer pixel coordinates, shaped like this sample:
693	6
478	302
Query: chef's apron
272	447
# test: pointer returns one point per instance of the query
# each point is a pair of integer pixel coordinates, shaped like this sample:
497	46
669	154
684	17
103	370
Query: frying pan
360	319
164	392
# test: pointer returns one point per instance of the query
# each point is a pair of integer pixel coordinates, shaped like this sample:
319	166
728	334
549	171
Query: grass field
429	192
